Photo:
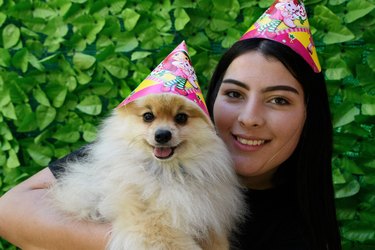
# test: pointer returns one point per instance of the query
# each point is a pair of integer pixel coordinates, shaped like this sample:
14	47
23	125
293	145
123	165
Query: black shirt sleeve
57	167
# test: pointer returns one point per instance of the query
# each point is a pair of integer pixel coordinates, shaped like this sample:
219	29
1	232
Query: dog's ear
197	112
130	107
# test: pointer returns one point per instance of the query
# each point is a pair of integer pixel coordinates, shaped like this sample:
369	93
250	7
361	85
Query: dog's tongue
162	152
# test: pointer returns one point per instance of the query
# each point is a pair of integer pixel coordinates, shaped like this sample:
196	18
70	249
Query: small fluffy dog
159	174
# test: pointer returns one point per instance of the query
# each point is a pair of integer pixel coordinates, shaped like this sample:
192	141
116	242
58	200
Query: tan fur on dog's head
164	125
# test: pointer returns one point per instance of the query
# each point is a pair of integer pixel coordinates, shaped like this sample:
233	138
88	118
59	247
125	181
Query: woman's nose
252	114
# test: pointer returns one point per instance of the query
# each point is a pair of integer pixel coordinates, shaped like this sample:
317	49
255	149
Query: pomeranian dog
159	174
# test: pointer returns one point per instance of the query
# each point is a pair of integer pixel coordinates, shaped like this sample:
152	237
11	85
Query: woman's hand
29	222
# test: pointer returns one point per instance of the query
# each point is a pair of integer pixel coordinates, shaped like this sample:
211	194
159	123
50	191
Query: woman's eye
280	101
181	118
233	94
148	117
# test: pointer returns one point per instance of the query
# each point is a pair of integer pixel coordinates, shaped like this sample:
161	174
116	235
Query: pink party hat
176	75
286	22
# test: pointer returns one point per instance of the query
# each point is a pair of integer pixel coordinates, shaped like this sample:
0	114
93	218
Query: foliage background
65	64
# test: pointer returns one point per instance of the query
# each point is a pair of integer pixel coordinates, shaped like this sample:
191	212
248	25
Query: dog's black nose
163	135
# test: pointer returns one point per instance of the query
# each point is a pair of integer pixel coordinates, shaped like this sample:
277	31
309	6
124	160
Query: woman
272	111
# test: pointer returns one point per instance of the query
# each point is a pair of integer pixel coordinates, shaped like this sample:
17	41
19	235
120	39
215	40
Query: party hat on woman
286	22
175	75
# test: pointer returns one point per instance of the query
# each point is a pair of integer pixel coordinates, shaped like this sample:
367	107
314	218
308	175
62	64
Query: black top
57	167
273	223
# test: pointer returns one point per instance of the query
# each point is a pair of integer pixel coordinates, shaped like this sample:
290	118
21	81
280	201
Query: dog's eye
148	117
181	118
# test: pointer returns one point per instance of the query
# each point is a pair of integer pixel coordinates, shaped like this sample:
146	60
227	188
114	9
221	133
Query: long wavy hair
308	171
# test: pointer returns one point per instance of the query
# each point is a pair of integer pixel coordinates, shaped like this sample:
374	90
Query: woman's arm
27	221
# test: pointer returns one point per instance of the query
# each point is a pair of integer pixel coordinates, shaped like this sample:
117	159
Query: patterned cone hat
176	75
286	22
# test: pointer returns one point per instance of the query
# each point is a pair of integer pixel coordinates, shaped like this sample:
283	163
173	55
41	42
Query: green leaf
90	105
5	58
35	62
26	121
223	4
42	10
9	111
139	55
336	2
220	22
6	146
348	189
12	161
338	177
181	18
344	114
11	35
357	9
41	97
44	116
358	231
17	94
265	3
329	27
231	36
88	26
336	68
151	38
131	18
126	42
82	61
57	94
40	154
200	40
118	67
5	132
83	78
79	1
89	132
368	216
21	59
4	97
371	60
368	109
346	209
3	17
67	133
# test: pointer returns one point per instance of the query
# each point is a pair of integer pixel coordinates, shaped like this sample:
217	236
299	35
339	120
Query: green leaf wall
65	64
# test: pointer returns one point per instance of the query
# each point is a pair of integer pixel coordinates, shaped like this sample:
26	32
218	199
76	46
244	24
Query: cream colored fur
189	201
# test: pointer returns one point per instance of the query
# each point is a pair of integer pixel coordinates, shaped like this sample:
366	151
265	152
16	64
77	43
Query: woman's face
259	112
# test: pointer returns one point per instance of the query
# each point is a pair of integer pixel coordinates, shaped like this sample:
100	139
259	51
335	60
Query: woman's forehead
254	68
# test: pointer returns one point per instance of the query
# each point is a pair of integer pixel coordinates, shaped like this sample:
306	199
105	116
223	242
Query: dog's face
166	125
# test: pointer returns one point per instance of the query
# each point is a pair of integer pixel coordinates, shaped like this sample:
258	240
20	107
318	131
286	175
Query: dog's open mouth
163	152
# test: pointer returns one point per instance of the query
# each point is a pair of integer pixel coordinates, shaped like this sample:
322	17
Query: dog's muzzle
162	137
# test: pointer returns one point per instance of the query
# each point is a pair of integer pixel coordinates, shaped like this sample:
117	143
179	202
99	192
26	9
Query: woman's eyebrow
280	87
267	89
232	81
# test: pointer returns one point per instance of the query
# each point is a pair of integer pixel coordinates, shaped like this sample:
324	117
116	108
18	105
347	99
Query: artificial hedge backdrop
65	64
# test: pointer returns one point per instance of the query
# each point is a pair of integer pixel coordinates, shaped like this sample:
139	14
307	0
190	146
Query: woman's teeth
250	142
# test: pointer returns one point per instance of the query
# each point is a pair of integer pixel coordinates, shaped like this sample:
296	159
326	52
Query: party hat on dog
286	22
176	75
